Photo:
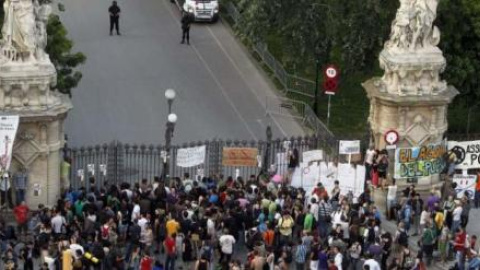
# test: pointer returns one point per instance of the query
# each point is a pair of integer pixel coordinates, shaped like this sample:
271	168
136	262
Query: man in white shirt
457	216
142	222
314	209
372	264
57	223
136	211
369	161
226	243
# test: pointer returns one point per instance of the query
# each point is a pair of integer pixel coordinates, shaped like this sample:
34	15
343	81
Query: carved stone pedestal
25	90
411	97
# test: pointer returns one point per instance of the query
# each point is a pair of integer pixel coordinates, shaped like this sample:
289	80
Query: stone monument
411	97
27	89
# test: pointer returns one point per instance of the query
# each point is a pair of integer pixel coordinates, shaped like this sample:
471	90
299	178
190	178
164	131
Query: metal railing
133	162
291	85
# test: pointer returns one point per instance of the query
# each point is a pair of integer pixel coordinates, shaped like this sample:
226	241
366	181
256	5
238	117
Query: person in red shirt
171	252
459	247
21	216
147	262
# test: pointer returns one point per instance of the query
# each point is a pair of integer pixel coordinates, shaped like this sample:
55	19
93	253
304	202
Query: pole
170	101
328	111
168	142
317	72
266	158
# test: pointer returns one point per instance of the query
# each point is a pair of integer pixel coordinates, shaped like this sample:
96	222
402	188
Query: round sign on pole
391	137
331	72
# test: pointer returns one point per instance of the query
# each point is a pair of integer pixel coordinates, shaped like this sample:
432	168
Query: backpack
403	238
289	258
266	266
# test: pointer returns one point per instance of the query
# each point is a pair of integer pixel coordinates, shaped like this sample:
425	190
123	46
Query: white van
202	10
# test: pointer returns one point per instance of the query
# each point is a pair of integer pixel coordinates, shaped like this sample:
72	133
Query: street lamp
170	96
172	119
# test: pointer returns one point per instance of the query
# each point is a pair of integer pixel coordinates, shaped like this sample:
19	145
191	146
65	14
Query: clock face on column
391	137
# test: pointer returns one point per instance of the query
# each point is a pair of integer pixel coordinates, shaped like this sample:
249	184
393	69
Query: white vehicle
202	10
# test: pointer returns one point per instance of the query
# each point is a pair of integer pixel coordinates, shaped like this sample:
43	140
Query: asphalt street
220	90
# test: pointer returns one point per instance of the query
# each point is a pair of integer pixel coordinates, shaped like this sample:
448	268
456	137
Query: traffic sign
391	137
330	86
331	72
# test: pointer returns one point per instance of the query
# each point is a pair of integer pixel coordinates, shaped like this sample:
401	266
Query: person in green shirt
308	222
428	240
272	209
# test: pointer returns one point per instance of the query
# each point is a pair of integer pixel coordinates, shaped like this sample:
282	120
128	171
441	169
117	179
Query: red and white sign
391	137
331	72
330	84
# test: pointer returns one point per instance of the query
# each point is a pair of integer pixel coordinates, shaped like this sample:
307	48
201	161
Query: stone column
411	97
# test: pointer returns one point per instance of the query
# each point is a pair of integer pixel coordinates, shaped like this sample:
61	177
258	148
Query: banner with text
420	161
313	155
191	157
8	129
467	154
465	185
349	147
246	157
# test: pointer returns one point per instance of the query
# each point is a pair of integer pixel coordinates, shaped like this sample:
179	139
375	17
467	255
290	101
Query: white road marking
215	79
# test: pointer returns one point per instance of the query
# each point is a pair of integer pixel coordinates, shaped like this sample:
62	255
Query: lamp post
172	119
266	158
317	75
170	96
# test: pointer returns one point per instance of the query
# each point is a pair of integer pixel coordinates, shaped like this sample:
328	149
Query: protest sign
245	157
349	147
465	185
311	156
419	161
8	129
467	154
190	157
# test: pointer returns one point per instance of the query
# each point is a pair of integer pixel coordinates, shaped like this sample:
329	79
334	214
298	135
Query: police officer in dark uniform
186	21
114	11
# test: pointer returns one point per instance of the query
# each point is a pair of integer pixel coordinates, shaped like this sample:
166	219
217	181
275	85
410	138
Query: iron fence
117	162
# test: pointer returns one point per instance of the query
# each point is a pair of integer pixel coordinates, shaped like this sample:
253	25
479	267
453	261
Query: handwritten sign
246	157
190	157
467	154
420	161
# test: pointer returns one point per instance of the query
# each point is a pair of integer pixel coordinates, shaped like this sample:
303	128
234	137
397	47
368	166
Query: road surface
220	90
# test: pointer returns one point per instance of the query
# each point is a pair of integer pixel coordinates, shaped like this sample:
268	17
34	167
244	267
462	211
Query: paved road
220	91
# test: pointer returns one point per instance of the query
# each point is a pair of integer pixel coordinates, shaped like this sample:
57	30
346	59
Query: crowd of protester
224	223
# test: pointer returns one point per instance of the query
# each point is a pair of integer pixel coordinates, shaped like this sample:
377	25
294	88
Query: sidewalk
391	227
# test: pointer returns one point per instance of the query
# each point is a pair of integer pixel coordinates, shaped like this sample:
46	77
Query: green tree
59	47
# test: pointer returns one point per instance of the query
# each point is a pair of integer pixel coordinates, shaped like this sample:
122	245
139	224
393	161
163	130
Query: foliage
350	34
59	48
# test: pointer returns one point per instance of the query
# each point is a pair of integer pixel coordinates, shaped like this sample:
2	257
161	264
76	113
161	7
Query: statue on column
413	27
19	30
24	31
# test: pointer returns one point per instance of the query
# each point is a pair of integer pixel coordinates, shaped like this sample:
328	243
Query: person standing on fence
186	21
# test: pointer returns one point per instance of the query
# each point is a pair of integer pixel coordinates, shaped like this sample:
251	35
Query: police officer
114	11
185	27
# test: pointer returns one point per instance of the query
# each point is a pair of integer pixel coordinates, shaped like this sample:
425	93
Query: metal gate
117	162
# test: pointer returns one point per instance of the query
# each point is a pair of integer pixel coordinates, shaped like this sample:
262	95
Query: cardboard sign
246	157
190	157
349	147
465	185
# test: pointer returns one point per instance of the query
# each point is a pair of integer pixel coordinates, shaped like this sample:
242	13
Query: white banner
314	155
465	185
349	147
190	157
8	129
467	154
